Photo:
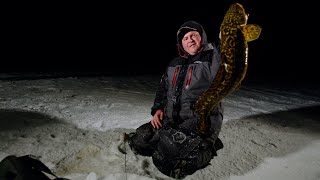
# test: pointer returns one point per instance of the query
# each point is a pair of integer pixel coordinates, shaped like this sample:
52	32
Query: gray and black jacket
185	79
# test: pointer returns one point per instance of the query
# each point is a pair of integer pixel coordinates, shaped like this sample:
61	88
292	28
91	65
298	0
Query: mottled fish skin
234	35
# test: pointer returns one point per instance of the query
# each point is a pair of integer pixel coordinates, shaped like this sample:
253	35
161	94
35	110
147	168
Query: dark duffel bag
26	167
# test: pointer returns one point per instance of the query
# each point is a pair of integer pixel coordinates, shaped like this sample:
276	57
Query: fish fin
238	86
251	32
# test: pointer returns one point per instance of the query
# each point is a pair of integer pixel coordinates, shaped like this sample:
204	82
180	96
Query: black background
140	38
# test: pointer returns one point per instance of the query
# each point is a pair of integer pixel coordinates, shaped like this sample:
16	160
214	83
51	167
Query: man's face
191	42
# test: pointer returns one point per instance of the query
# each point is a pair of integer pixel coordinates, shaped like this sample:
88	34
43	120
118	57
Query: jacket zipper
174	76
189	77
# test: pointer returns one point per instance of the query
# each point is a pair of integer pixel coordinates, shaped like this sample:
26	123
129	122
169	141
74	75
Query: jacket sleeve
160	100
216	118
216	59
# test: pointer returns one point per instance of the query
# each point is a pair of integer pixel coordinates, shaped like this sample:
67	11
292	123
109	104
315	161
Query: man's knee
139	141
145	132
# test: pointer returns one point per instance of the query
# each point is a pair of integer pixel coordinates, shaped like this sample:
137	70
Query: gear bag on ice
25	168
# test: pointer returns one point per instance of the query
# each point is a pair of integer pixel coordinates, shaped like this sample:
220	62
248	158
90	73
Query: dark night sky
141	38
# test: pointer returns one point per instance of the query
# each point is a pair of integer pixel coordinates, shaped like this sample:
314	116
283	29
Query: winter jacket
185	79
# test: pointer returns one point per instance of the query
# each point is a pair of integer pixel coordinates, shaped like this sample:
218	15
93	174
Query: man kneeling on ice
171	137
